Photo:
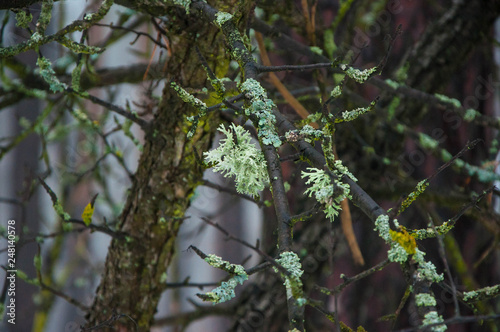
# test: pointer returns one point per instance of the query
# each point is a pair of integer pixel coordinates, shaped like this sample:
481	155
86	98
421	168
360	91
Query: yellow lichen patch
405	239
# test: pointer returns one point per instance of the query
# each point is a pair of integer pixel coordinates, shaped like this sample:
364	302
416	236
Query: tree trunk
167	175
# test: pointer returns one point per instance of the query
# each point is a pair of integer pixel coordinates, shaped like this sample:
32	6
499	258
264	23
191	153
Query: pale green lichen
193	101
340	169
382	227
336	92
48	74
189	98
470	295
359	76
425	300
426	270
221	18
352	115
313	117
471	114
225	291
448	100
482	294
308	133
261	107
240	159
291	262
397	253
219	263
322	189
37	37
432	317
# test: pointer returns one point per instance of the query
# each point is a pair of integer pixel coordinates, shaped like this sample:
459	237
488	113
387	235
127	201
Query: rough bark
167	175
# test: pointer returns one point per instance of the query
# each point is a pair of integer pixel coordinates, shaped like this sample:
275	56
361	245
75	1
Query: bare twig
350	280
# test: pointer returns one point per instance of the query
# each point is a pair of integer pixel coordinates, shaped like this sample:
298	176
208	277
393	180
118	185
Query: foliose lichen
225	291
219	263
48	74
426	270
432	317
308	133
483	293
359	76
336	92
261	107
354	114
221	18
240	158
291	262
425	300
322	189
351	115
